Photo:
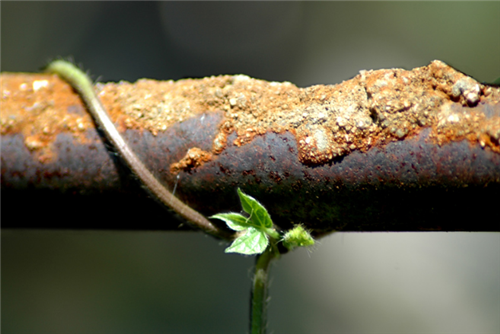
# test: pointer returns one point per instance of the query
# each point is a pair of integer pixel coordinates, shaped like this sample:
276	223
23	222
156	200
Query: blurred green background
182	282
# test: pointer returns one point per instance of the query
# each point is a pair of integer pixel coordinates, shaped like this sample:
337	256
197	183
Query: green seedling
255	234
256	230
259	236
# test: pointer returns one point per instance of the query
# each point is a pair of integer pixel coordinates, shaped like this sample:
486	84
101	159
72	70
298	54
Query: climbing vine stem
83	85
254	234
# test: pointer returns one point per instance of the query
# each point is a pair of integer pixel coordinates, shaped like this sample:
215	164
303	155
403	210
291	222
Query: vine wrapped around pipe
255	234
337	132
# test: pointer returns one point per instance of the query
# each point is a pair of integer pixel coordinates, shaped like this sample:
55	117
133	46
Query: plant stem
258	318
83	85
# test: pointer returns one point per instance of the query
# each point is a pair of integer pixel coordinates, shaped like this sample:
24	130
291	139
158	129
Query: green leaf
258	214
256	229
235	221
252	242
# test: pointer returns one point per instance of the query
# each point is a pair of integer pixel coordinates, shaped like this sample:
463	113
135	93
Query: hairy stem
258	315
83	85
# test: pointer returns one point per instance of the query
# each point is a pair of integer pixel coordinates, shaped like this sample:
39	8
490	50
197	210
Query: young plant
255	234
259	236
255	230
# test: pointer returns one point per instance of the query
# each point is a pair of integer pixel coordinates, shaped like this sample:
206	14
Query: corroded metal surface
409	150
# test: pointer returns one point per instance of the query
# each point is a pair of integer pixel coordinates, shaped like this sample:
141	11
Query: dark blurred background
182	282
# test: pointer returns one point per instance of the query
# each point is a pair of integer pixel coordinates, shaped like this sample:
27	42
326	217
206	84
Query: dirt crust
328	121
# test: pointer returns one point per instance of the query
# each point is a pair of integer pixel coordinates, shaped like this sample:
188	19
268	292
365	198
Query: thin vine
254	234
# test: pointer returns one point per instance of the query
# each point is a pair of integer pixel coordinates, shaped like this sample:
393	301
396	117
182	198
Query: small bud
297	237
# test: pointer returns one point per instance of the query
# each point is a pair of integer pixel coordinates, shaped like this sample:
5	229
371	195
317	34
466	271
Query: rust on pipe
389	150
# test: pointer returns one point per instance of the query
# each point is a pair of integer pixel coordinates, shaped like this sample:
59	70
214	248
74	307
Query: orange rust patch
40	106
374	108
328	121
458	123
194	158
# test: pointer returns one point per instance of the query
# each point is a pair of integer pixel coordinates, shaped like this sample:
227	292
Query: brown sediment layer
328	121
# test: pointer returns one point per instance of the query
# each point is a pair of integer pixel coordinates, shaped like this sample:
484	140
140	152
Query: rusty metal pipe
430	167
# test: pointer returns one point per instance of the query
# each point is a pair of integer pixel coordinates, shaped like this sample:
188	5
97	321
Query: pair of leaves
256	228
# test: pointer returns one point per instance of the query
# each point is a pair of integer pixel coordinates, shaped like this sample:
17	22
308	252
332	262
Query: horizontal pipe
431	162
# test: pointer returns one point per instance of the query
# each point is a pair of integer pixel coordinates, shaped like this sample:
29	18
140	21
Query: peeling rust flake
194	158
